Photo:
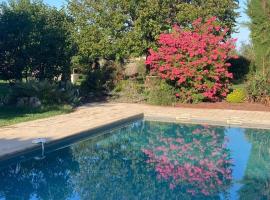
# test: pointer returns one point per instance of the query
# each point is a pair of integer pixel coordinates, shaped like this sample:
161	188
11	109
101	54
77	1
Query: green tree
35	41
116	29
259	13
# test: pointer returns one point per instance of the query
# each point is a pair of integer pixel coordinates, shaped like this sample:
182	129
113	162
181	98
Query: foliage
259	13
117	29
240	68
237	96
131	91
12	115
258	88
247	51
35	41
48	92
161	93
194	60
99	80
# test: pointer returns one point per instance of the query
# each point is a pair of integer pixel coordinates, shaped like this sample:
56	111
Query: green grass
12	115
239	86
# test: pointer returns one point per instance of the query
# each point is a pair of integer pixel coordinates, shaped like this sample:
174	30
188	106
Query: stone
131	69
34	102
135	67
22	102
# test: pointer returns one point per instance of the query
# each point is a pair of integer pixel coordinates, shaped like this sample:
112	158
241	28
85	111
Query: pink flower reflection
199	162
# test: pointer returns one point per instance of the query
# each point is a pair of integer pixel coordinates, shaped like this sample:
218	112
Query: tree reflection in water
39	179
256	181
144	162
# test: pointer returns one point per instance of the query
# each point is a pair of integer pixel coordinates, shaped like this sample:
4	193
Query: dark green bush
99	80
240	68
47	92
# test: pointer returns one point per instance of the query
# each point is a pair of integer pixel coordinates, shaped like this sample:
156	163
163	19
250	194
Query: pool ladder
41	141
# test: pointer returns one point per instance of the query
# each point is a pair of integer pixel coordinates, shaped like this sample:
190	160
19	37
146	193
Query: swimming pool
148	160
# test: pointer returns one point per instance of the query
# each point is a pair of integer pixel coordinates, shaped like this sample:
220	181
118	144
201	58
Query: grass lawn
12	115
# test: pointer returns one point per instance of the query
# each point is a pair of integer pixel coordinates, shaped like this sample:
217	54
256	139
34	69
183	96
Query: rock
22	102
34	102
135	67
131	69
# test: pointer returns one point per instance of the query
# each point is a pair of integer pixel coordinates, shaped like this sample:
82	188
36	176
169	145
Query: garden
167	53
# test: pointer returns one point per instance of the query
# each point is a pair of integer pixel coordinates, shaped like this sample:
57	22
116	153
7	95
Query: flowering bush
199	163
194	60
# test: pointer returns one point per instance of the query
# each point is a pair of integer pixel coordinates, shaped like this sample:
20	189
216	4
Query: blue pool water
148	160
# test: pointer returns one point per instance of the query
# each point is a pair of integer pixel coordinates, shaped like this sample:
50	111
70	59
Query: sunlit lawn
12	115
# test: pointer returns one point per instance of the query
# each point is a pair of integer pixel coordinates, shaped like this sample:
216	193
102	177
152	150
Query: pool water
149	160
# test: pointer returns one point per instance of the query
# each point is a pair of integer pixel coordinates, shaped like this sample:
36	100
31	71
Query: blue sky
243	32
56	3
242	35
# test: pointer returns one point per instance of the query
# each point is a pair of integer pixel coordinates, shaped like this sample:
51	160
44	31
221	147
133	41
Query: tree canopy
116	29
259	13
35	41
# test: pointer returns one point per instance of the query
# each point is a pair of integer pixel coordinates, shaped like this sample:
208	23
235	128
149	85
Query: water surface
149	160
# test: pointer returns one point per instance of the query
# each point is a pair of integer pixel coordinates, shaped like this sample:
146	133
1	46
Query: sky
242	34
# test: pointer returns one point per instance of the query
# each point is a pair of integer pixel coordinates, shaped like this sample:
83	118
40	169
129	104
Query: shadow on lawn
11	114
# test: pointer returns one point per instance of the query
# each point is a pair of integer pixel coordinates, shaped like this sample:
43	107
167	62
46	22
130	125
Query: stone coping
94	118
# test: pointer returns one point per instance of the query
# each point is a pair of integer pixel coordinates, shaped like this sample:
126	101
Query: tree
116	29
35	41
259	13
194	60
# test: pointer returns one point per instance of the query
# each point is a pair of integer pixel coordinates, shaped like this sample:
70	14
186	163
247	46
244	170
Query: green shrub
47	92
129	90
258	88
99	81
161	93
237	96
240	68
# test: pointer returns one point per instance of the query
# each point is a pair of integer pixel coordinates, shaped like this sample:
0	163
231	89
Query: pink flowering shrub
195	60
200	162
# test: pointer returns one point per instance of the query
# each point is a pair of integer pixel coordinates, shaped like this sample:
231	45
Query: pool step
184	117
234	121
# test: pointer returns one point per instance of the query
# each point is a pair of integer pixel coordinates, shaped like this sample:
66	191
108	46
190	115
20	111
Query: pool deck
101	116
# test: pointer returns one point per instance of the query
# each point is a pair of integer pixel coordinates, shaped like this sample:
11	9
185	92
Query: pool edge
33	150
224	123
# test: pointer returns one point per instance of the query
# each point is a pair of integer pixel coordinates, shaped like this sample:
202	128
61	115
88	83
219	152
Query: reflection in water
43	179
146	160
196	160
256	181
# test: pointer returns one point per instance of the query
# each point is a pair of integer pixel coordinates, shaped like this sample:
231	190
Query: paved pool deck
98	117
